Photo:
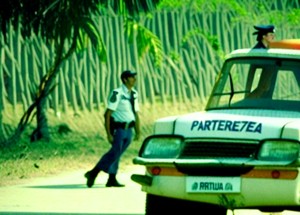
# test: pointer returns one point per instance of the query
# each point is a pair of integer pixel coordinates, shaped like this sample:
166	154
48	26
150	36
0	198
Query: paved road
68	194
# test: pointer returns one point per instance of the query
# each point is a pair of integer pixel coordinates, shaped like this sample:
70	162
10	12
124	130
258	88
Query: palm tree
67	25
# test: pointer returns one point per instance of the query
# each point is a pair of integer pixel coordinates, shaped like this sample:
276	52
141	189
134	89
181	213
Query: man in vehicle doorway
265	35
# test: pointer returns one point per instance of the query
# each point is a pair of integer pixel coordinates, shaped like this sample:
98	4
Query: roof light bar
286	44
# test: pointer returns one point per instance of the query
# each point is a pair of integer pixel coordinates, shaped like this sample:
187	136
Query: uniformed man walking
265	35
121	116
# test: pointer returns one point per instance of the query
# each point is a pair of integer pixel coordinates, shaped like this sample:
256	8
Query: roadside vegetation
68	141
77	142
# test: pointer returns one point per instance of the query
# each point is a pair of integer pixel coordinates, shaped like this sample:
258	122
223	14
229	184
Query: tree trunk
47	85
42	130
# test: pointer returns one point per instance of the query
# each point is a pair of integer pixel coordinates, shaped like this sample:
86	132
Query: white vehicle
242	152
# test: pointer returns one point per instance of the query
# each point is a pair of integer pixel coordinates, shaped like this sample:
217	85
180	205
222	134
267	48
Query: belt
124	125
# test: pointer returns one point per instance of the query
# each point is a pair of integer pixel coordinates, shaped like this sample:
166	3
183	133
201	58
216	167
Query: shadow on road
45	213
66	186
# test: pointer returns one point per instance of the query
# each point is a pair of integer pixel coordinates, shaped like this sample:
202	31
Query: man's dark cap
264	29
127	73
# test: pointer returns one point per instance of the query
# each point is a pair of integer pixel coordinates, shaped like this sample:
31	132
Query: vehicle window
257	83
261	86
286	86
256	78
235	84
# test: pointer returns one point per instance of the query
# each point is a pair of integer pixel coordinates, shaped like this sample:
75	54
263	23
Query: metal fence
187	72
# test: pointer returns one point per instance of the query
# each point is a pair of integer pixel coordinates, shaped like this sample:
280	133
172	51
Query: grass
78	149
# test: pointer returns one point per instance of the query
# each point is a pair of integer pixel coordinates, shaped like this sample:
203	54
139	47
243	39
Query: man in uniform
121	116
265	35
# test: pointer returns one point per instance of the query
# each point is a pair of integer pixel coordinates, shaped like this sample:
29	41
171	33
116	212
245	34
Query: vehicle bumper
254	192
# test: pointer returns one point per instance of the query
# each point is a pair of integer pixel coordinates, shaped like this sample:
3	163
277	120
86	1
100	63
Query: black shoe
114	184
90	179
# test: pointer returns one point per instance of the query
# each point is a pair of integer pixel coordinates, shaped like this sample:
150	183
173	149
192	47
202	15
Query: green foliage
89	31
67	25
77	143
243	9
147	41
174	56
132	8
212	40
201	5
293	17
67	21
64	153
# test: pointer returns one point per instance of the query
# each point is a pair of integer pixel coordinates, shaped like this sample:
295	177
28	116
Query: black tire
159	205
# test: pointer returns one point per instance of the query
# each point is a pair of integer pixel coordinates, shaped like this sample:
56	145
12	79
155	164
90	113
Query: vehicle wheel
157	204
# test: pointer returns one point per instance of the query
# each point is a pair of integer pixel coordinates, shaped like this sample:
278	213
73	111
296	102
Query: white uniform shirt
119	103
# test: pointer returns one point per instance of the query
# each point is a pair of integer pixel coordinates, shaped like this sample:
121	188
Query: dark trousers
109	162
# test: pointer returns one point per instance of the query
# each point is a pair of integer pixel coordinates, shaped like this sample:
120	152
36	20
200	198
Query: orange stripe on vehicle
167	171
276	174
256	173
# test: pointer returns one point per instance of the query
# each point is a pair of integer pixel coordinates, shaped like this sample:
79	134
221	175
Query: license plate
213	184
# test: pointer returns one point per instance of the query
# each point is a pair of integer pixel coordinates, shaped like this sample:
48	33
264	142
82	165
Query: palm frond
90	31
147	41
